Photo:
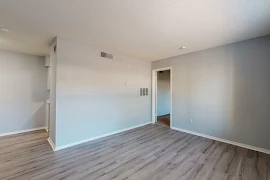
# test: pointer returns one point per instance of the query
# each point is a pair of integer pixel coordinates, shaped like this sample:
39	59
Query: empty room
135	89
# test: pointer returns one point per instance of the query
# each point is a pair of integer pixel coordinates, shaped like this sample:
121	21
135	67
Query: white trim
154	92
224	140
94	138
22	131
154	80
51	143
46	128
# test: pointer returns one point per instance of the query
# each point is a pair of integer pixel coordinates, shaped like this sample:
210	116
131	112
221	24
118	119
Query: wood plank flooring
150	152
164	120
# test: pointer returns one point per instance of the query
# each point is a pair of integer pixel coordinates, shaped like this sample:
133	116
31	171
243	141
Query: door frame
154	92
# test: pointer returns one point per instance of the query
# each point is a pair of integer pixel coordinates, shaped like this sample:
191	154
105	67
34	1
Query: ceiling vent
106	55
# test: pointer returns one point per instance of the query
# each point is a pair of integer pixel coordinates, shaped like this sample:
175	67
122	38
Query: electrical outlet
101	123
190	120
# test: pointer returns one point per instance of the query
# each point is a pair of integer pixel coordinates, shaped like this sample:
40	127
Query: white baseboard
22	131
224	140
51	143
94	138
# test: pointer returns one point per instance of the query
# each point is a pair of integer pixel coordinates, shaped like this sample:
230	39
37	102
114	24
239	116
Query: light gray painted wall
92	98
225	90
53	63
163	93
22	92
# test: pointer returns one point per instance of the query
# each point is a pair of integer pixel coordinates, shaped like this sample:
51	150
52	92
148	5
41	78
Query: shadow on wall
209	90
225	90
251	94
23	91
231	96
36	119
37	88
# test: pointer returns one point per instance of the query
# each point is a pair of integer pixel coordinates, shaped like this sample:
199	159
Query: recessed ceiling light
183	47
4	30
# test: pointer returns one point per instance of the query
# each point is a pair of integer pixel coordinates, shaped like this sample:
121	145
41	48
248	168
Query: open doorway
162	96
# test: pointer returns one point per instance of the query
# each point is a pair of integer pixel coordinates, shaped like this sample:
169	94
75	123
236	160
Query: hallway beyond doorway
164	120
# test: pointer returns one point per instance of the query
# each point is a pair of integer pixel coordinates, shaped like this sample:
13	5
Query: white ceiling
145	29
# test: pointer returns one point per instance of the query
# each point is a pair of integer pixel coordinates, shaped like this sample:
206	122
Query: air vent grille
106	55
143	92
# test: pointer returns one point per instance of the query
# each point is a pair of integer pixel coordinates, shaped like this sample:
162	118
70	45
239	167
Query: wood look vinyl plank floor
164	120
151	152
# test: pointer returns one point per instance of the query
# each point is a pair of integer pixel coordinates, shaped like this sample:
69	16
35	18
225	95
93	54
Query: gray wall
225	90
163	93
53	63
95	95
22	92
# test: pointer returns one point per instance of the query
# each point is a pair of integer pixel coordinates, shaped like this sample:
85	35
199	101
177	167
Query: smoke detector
183	47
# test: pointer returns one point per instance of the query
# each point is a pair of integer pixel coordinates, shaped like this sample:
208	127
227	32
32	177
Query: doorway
161	96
